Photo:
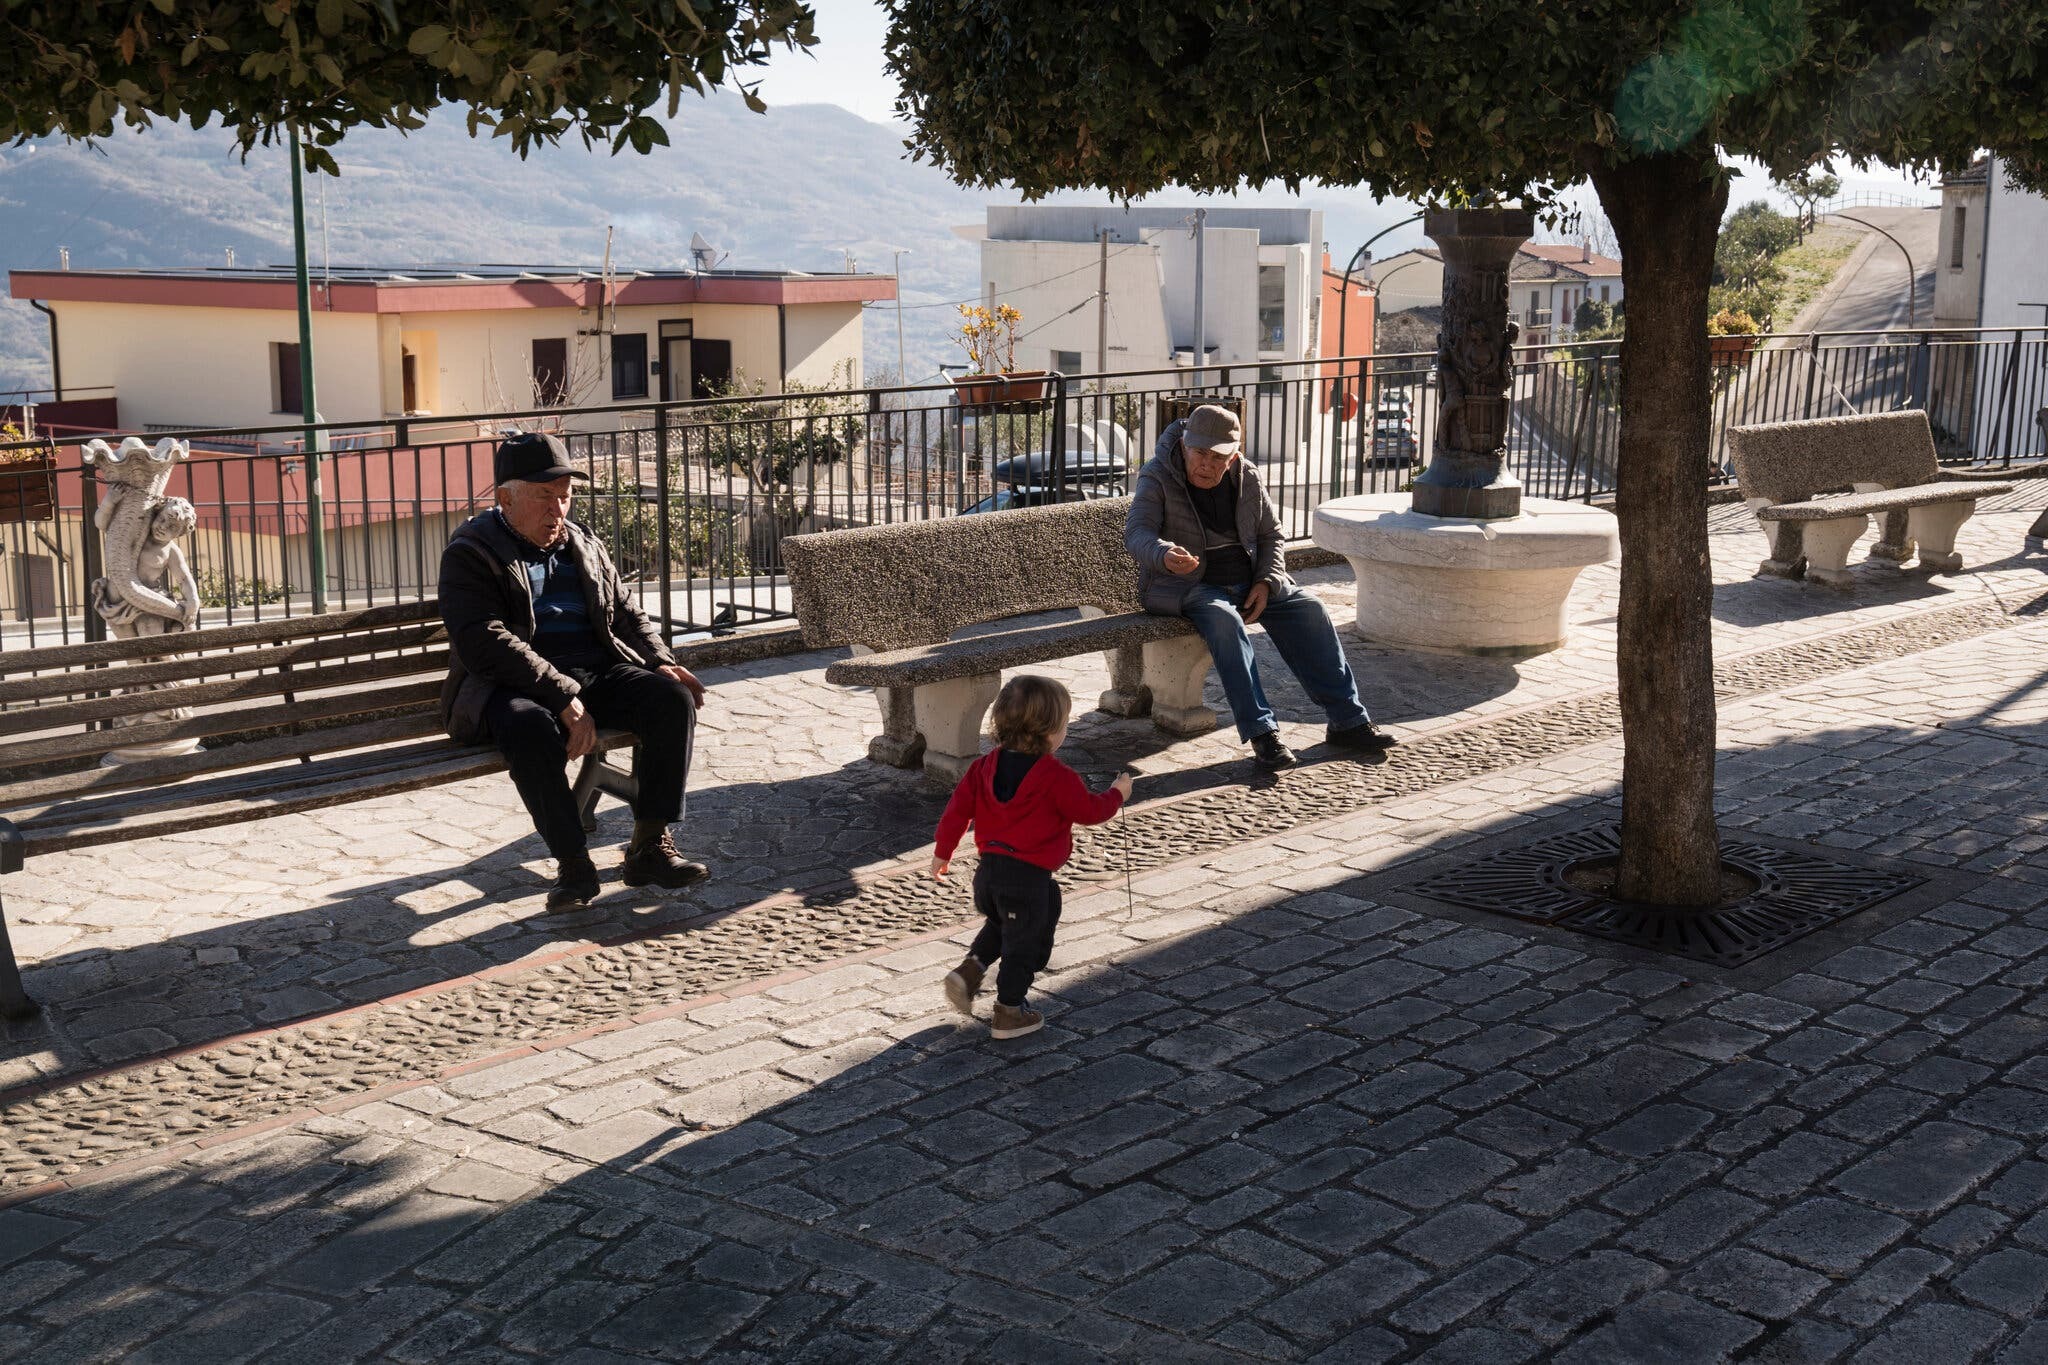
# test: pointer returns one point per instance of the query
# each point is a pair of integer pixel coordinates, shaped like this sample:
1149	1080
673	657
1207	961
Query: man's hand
1122	785
940	867
687	679
582	729
1254	603
1181	562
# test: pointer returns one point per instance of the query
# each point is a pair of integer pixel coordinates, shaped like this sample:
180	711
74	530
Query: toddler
1023	804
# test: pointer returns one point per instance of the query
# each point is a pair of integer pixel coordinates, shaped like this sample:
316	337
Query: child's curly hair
1028	711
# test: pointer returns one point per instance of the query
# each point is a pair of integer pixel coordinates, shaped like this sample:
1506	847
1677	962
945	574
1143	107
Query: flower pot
1012	388
1730	350
28	487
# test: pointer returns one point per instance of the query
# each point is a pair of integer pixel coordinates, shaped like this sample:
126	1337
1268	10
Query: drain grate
1796	894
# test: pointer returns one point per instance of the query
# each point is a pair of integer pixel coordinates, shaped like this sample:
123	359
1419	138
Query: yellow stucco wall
182	366
212	367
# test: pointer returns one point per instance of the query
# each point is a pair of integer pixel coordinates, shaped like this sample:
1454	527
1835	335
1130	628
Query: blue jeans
1300	629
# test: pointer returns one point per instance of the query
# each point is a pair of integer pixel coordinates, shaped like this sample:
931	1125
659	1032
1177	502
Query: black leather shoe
575	884
1366	738
1269	752
658	864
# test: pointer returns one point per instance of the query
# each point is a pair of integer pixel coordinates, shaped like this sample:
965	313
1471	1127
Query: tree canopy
1435	101
532	72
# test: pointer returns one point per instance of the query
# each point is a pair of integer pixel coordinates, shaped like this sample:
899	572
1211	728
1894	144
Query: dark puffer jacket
488	609
1163	515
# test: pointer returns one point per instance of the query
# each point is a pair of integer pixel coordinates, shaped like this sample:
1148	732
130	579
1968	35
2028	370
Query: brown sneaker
1014	1021
963	983
657	863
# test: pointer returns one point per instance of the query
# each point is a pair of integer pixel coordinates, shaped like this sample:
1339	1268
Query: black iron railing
693	498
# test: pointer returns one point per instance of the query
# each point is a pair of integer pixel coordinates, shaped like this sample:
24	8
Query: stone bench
1814	485
898	594
271	717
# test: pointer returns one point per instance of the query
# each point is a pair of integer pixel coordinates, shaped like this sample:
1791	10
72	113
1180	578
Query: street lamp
902	370
1912	279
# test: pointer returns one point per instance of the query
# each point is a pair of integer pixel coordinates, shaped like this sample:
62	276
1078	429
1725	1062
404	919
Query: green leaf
425	42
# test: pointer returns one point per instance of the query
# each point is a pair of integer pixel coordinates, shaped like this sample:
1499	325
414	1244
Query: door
35	586
675	368
710	367
408	364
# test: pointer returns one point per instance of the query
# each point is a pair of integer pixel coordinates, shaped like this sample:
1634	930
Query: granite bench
1814	485
898	594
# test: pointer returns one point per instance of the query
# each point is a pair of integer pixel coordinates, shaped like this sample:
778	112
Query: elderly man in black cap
546	646
1208	545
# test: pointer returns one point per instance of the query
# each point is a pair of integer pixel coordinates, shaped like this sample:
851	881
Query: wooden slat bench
1814	485
896	594
296	714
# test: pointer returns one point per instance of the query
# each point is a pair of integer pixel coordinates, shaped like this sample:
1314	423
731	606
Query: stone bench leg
1126	695
948	716
1935	527
1174	672
1827	545
899	745
1788	558
1895	543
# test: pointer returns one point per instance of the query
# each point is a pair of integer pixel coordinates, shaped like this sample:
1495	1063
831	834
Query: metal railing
692	499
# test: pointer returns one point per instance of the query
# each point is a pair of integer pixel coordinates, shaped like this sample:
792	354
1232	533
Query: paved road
1874	299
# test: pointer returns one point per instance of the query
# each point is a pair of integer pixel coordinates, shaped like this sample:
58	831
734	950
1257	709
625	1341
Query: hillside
789	190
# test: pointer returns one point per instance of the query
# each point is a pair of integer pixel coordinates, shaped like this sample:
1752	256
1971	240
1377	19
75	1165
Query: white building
1261	284
1547	285
2010	388
1959	256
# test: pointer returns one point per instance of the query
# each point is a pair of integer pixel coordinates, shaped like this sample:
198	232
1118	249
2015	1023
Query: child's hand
940	867
1122	785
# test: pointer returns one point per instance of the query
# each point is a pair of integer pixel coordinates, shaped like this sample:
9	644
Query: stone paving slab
1274	1117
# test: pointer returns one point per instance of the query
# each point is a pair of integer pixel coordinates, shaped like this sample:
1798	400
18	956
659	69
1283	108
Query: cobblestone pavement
1283	1110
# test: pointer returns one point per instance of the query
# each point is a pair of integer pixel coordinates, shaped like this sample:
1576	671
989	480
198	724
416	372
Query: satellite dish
704	255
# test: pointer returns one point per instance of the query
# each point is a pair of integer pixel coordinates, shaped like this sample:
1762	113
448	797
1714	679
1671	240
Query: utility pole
1102	311
902	367
1201	329
314	440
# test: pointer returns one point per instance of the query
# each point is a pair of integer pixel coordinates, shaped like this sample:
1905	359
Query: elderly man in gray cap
1208	545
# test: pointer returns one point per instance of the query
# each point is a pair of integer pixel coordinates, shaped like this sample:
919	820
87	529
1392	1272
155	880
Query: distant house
2014	294
1262	284
220	347
1547	284
1959	255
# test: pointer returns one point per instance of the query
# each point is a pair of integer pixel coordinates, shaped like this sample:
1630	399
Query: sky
846	69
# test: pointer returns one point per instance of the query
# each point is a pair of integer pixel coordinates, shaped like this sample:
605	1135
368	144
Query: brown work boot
963	983
1014	1021
575	883
655	862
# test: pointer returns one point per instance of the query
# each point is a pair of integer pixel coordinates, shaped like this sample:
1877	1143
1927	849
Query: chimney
1585	248
63	258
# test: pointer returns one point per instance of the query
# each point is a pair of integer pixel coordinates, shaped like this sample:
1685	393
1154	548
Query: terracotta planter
1001	390
1730	350
28	489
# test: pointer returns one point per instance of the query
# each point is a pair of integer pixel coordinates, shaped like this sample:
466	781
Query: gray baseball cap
1210	427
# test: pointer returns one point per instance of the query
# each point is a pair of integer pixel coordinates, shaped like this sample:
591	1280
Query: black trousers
655	707
1021	906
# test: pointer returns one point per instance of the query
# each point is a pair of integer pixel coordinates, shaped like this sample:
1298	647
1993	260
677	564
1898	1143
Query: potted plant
1731	336
28	479
989	336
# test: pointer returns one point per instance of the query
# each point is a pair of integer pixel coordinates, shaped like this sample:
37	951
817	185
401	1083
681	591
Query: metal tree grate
1796	894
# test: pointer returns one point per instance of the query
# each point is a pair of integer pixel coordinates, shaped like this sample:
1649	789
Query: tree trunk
1666	212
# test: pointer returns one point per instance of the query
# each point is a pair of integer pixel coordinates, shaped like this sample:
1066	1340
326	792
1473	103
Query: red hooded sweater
1037	824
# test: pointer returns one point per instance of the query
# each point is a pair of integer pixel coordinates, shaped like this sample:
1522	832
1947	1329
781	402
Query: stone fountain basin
1496	588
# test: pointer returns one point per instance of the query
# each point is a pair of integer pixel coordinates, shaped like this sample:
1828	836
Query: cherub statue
137	603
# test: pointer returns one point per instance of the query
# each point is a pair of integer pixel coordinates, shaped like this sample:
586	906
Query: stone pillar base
1491	588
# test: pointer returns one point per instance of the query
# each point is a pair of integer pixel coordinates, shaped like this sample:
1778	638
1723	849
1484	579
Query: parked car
1027	480
1393	444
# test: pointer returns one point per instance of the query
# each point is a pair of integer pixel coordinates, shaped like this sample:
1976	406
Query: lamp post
902	370
314	439
1912	280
